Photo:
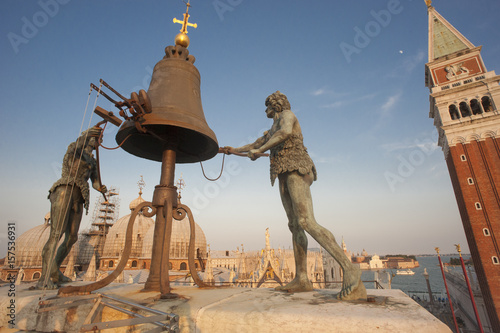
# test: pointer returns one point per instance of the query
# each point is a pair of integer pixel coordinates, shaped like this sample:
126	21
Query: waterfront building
464	100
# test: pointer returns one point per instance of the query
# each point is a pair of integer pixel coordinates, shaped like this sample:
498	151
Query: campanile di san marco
464	101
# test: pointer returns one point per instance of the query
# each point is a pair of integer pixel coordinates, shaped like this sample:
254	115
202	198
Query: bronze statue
68	196
295	170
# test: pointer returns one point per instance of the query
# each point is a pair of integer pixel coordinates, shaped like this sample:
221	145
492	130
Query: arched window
464	109
332	273
170	266
144	266
486	102
134	263
196	265
475	107
36	276
453	112
111	263
183	266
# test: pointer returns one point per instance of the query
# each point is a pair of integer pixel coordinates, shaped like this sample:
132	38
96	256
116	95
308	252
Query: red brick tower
464	101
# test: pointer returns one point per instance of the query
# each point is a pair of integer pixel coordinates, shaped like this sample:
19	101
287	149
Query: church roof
179	242
115	240
444	39
30	244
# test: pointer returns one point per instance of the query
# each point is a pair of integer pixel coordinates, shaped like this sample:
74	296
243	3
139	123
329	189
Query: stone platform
236	310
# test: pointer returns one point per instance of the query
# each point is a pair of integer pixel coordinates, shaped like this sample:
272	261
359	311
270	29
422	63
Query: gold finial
141	183
428	3
182	39
458	249
437	249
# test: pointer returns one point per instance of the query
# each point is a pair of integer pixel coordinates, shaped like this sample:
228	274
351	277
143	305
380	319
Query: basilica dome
115	239
179	243
30	244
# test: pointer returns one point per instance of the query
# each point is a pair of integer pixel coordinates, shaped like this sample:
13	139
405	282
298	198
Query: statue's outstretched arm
243	149
258	143
287	120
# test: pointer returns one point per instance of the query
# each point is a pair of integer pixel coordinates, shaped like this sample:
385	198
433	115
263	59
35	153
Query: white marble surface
245	310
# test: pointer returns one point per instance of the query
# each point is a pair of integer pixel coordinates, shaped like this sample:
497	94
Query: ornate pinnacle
141	184
428	3
180	185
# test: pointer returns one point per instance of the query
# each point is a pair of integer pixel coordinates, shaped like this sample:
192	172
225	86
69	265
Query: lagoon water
411	284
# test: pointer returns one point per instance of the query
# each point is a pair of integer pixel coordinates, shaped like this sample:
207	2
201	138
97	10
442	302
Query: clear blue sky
363	111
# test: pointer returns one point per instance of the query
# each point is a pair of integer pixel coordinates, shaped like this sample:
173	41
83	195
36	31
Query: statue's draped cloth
290	155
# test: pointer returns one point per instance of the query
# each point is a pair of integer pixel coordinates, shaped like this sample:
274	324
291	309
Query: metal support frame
164	321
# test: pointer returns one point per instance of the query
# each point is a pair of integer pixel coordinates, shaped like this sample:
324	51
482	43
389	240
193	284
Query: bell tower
464	103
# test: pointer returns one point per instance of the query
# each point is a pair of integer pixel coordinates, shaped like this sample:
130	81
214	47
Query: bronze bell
175	119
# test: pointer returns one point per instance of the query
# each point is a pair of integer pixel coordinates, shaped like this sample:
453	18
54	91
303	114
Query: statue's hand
252	154
102	189
228	150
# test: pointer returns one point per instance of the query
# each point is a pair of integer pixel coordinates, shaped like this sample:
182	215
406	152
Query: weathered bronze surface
68	197
176	111
295	170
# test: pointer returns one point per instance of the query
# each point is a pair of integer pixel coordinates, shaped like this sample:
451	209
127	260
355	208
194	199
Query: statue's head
278	102
89	137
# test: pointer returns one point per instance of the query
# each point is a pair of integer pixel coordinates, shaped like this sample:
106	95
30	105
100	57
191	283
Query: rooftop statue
295	170
68	197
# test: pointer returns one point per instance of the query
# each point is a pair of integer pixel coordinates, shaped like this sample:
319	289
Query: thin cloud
389	104
344	102
318	92
426	146
407	66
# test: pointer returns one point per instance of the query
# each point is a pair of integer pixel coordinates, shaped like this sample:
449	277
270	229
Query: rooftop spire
141	184
444	39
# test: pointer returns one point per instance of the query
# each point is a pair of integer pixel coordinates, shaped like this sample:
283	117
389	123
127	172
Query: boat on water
405	272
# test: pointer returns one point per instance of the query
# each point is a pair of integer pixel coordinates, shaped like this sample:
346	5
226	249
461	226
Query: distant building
376	263
464	100
269	267
401	263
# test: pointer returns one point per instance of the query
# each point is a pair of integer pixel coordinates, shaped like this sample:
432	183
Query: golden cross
185	22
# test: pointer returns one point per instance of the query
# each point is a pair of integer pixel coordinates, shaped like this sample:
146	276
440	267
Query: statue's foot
63	278
296	285
49	285
352	287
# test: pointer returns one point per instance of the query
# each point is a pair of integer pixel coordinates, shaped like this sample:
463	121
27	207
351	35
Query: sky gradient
352	70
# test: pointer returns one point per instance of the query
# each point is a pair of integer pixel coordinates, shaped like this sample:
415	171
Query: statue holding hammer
68	197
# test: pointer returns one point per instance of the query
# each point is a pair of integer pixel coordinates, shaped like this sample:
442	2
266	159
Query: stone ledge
243	310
